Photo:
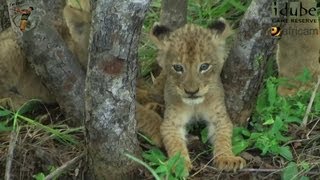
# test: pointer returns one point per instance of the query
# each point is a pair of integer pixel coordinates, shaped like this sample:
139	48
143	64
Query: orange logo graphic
275	31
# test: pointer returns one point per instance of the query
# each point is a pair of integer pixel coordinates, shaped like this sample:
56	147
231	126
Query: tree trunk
110	87
243	71
173	13
51	59
4	16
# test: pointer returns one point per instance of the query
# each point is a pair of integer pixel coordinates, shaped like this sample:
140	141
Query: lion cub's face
192	58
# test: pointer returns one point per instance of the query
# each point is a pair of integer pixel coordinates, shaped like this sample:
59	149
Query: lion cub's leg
149	122
173	132
220	130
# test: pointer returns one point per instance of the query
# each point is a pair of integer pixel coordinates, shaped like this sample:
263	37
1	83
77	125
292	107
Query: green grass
38	132
11	120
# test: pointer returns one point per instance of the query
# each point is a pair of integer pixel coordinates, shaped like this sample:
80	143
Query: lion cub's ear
220	28
159	33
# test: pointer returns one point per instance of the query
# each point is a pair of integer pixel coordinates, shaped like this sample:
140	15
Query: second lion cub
192	58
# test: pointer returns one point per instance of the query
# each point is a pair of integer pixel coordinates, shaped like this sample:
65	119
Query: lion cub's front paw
229	163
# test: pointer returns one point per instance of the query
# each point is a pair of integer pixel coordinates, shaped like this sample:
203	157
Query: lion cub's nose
191	93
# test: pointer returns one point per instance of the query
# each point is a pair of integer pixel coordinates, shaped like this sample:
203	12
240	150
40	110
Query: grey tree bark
173	13
50	57
110	87
243	71
4	16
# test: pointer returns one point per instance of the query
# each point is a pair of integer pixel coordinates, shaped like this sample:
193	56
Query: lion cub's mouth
193	100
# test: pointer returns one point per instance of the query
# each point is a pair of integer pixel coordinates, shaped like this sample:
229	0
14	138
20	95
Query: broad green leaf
173	160
154	155
285	152
293	119
304	178
277	125
180	168
240	146
161	169
245	132
290	172
305	76
237	138
268	121
204	135
264	149
280	137
305	165
261	102
4	128
255	136
237	130
39	176
272	92
29	106
4	112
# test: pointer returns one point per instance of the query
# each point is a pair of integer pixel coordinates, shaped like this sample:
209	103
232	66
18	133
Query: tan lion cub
192	58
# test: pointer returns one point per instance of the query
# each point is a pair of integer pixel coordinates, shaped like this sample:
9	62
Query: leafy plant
272	116
39	176
173	168
42	176
161	167
155	175
294	171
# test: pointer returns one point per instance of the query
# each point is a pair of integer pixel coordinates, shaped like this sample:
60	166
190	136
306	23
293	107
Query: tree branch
244	69
110	86
50	57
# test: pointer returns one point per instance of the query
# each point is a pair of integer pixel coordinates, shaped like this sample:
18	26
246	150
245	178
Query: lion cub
192	58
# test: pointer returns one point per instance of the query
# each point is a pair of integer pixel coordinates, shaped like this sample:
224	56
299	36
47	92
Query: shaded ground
37	151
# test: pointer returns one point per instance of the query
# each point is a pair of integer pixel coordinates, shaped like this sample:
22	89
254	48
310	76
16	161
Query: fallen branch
64	167
12	145
305	118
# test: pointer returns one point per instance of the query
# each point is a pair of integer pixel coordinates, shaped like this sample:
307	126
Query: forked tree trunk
173	13
4	16
110	87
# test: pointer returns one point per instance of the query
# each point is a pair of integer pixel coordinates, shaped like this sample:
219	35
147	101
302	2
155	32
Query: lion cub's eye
178	68
204	67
